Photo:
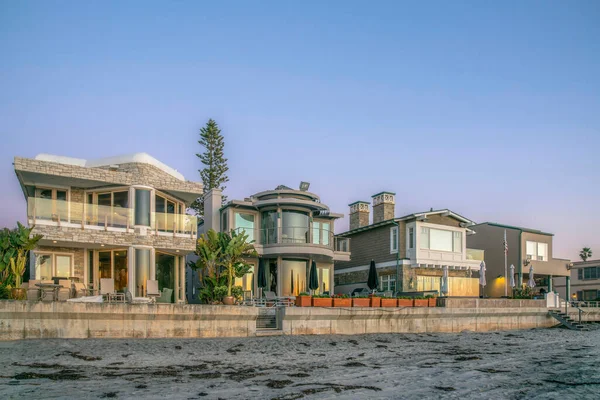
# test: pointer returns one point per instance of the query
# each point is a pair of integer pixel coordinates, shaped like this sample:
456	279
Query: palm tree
235	248
585	253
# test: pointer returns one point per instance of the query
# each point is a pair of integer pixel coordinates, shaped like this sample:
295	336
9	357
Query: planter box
375	301
432	301
337	302
421	303
321	302
405	302
303	301
361	302
389	302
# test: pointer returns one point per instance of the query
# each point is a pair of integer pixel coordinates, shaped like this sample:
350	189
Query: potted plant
342	300
235	248
432	300
389	302
405	301
421	302
220	293
238	293
303	300
321	300
361	301
14	246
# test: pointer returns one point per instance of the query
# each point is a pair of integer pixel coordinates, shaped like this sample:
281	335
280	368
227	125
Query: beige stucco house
412	250
120	217
290	229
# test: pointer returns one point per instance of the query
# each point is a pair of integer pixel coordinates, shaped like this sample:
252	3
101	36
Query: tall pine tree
214	173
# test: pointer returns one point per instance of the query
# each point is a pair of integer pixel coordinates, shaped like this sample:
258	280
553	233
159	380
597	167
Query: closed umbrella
512	276
372	280
444	288
313	279
482	281
292	284
262	276
531	282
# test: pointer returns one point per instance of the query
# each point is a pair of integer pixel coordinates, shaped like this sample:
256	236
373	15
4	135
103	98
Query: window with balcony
536	251
110	208
51	204
441	240
244	222
321	233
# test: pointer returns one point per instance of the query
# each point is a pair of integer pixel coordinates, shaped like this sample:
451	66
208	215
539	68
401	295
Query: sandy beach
535	364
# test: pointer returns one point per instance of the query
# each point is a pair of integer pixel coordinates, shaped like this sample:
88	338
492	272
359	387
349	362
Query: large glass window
272	276
142	207
63	266
165	271
324	280
293	278
51	204
245	222
120	262
294	227
441	240
247	281
326	233
164	216
269	227
536	251
104	264
43	266
316	236
90	268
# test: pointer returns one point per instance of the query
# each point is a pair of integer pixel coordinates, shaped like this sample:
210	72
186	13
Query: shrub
237	292
362	296
4	291
340	296
430	296
321	296
220	292
405	297
303	294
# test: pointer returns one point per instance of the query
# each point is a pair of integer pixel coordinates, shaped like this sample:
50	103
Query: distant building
584	282
290	229
414	248
526	247
119	217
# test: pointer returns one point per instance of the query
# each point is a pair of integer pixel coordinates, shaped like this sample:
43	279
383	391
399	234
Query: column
568	288
176	288
549	283
279	272
182	276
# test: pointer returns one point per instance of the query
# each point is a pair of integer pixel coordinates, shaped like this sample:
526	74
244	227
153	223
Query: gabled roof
409	217
517	228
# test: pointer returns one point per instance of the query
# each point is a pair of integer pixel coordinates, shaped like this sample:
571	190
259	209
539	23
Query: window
387	283
441	240
588	273
51	265
269	227
324	282
321	233
294	227
411	238
112	208
316	239
325	233
247	281
457	243
51	204
224	221
536	251
293	277
424	237
142	207
165	213
245	223
394	239
580	274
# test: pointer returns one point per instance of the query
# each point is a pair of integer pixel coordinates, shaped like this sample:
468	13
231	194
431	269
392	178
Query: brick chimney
359	214
383	206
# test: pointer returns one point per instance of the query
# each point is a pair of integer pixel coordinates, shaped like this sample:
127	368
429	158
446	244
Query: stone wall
115	238
127	174
26	320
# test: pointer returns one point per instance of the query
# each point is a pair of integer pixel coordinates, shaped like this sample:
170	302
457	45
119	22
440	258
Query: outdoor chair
33	292
80	290
47	293
107	289
64	293
152	291
165	296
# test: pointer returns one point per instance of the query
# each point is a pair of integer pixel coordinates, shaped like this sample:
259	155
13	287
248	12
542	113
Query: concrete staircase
567	321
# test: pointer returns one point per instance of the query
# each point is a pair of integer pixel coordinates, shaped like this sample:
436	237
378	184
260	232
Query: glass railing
475	254
61	211
177	223
296	235
342	244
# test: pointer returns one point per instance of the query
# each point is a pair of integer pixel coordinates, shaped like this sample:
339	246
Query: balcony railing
61	211
342	244
475	254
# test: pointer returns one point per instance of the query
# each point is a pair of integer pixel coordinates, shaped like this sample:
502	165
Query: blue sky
491	109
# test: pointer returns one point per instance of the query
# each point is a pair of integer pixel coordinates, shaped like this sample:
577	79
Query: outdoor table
47	289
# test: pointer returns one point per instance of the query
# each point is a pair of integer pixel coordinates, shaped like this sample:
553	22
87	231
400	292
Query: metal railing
62	211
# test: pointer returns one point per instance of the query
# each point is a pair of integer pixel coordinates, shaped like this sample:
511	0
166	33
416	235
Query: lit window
536	251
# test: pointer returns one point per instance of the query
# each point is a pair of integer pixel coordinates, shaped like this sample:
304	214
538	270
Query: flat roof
529	230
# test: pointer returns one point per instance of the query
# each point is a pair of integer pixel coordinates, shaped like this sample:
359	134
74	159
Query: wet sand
535	364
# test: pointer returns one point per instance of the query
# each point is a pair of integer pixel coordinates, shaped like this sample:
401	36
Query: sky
490	109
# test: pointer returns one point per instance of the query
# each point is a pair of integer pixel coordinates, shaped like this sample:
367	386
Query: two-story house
583	284
120	217
526	247
412	250
290	229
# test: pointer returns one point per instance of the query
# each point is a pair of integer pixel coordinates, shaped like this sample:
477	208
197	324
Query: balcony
93	216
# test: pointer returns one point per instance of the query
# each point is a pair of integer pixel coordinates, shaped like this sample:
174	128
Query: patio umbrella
372	280
444	288
531	282
512	276
292	283
313	279
262	276
482	281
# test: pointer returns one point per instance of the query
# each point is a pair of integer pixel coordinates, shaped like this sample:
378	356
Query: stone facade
127	174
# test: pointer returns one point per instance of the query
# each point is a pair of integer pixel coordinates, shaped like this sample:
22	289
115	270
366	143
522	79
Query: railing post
174	225
58	218
106	222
